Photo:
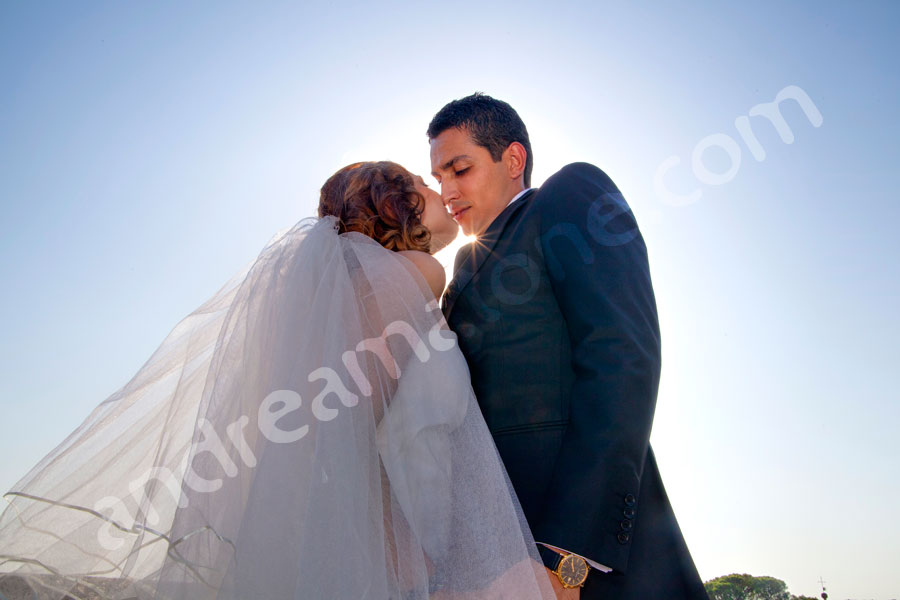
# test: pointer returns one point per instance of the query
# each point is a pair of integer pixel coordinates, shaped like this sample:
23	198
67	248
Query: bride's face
436	217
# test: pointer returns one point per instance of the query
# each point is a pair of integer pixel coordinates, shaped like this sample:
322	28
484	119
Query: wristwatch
571	569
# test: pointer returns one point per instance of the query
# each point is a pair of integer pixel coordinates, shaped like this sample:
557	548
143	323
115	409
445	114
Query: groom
555	314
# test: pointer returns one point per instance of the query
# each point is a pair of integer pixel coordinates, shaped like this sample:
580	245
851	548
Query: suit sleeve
597	265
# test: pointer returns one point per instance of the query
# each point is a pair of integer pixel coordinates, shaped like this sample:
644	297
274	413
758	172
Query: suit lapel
472	256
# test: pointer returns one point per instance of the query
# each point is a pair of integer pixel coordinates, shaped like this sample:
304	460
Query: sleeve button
630	500
623	537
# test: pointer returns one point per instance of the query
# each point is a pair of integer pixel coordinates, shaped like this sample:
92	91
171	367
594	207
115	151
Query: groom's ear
514	157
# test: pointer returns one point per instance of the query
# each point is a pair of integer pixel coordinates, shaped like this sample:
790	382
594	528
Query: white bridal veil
308	432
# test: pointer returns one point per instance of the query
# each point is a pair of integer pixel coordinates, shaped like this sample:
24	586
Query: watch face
573	571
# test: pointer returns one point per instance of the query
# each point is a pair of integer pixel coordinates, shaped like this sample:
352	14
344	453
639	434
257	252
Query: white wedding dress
308	432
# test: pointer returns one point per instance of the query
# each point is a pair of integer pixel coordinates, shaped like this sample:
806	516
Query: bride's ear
514	157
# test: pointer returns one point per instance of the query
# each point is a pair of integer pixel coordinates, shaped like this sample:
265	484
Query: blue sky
149	150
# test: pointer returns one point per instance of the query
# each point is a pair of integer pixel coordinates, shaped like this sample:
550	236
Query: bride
308	432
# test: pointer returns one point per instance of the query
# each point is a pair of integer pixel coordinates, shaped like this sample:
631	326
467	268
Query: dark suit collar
478	251
497	225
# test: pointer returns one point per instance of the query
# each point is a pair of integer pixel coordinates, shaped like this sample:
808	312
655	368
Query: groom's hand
562	593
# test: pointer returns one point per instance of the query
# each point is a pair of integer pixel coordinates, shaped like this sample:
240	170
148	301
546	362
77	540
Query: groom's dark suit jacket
555	314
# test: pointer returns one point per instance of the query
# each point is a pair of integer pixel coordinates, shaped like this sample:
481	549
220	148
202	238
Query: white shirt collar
517	196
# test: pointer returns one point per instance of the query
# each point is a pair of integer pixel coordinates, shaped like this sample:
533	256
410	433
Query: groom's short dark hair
493	125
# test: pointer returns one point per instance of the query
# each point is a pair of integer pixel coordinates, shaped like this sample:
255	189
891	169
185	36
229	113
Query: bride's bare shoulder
430	268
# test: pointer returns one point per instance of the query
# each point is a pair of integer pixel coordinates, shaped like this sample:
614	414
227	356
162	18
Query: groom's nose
449	192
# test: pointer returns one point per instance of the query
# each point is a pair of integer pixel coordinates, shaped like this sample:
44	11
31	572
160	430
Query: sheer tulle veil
310	431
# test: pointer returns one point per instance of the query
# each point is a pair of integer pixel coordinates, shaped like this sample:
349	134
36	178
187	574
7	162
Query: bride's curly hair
380	200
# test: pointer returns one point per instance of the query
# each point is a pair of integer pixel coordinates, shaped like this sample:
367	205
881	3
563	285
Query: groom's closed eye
451	164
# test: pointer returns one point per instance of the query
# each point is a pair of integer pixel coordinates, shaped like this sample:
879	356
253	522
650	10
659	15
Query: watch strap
550	558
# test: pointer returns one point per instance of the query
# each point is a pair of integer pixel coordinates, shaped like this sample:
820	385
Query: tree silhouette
746	587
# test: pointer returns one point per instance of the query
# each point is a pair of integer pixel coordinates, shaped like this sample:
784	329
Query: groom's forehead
451	145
